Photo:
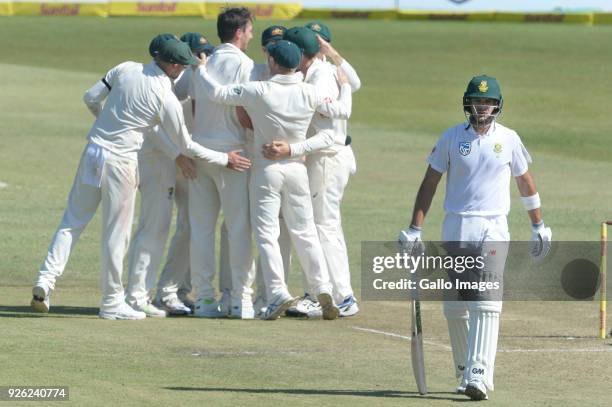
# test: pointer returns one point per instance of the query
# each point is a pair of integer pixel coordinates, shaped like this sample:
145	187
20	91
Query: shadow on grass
57	311
322	392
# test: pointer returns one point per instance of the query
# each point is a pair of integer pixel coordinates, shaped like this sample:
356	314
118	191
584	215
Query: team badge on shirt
497	148
465	147
237	90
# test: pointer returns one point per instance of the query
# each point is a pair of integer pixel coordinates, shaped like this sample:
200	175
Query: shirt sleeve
351	74
335	109
181	87
520	158
439	158
322	139
232	95
173	124
95	95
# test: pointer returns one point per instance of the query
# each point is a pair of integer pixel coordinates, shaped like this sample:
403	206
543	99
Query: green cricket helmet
482	100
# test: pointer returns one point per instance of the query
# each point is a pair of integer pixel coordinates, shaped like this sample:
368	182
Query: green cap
285	53
272	33
198	43
483	86
321	29
175	51
303	38
157	41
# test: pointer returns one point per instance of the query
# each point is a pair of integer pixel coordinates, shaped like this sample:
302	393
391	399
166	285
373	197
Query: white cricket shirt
216	125
479	168
323	75
280	109
138	97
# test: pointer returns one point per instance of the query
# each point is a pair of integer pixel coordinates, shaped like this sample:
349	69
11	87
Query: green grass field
555	80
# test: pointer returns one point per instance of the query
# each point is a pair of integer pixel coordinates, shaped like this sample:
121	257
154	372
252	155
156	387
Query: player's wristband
531	202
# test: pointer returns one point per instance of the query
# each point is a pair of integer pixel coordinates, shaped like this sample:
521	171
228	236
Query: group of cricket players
208	130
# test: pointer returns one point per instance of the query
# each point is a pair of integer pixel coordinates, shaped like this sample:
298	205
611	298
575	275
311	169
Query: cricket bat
416	348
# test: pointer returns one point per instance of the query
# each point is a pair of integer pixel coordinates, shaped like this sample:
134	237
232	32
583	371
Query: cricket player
479	157
328	169
216	126
160	185
281	110
138	97
261	72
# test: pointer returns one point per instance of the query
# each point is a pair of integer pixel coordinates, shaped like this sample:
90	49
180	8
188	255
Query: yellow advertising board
59	9
155	8
262	11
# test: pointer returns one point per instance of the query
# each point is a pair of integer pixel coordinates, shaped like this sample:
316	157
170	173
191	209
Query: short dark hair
230	20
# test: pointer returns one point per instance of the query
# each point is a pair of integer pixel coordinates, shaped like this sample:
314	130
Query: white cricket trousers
473	326
175	278
118	180
328	175
158	175
283	187
214	188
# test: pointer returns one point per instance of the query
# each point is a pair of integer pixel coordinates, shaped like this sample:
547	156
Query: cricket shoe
305	307
185	298
173	306
242	310
476	391
226	302
329	308
259	306
40	299
461	387
277	307
122	312
348	307
150	310
208	308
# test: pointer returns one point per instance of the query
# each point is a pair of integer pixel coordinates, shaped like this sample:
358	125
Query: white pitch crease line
519	350
393	335
3	184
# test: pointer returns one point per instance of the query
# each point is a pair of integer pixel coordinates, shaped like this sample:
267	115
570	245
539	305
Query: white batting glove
410	241
541	238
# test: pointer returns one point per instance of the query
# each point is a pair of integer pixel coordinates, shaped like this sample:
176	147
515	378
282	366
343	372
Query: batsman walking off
479	157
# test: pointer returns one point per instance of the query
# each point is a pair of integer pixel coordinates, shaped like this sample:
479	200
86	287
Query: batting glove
410	241
541	238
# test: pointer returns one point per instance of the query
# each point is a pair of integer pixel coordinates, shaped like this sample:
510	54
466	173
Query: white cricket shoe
186	300
278	306
242	310
40	299
150	310
329	308
305	307
461	386
122	312
348	307
476	390
173	306
208	308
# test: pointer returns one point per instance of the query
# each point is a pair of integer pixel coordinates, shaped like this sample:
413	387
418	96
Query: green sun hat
157	41
198	43
175	51
272	33
319	28
285	53
304	38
